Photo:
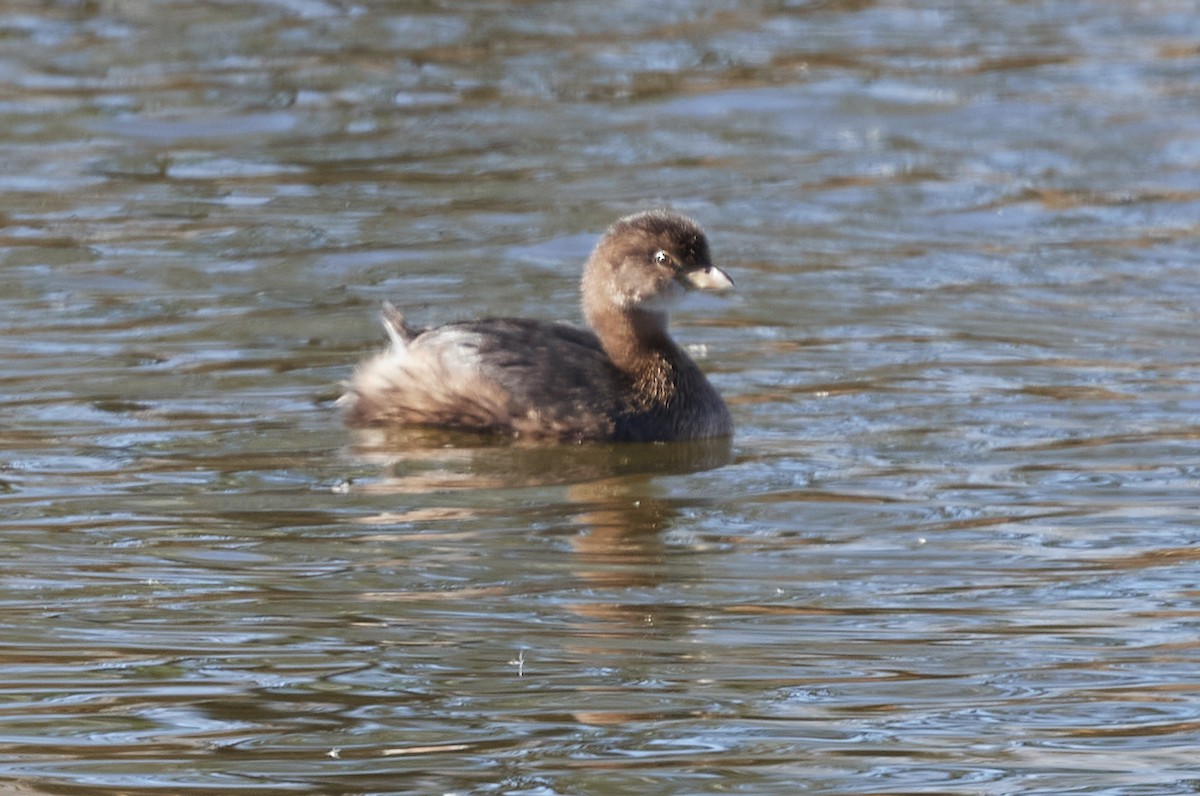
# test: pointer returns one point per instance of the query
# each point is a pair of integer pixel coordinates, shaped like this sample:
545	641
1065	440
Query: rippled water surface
953	548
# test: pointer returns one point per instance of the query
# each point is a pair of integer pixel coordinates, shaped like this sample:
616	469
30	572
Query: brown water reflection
951	549
618	513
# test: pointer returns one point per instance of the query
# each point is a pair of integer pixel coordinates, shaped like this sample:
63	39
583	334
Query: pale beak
710	278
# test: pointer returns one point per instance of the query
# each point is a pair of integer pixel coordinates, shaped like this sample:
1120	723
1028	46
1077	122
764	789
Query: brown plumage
624	379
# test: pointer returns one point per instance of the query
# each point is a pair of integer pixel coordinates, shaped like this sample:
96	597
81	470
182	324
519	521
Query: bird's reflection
620	511
420	460
611	499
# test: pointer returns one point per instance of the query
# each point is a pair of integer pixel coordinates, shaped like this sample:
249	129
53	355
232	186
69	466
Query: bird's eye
662	258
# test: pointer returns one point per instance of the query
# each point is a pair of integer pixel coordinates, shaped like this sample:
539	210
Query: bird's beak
709	278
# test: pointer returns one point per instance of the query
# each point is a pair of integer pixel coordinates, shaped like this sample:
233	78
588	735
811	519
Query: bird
622	378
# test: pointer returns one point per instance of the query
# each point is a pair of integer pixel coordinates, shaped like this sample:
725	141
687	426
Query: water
952	548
